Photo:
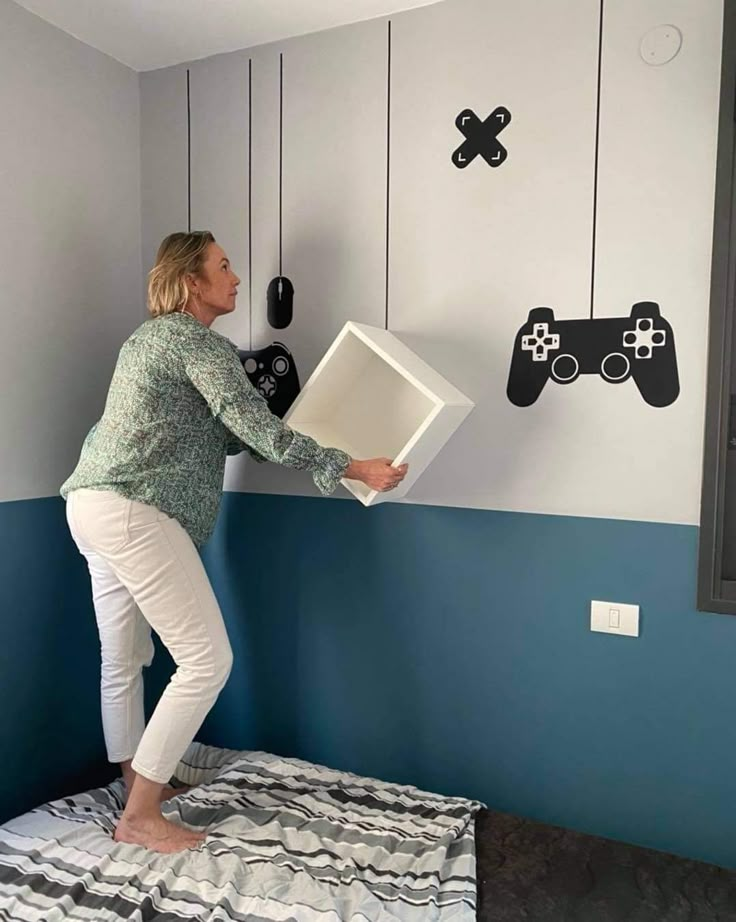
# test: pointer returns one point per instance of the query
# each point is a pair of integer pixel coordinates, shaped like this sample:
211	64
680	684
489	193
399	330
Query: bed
288	841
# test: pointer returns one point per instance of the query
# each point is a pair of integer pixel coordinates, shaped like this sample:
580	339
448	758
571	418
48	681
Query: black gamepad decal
641	347
272	371
482	138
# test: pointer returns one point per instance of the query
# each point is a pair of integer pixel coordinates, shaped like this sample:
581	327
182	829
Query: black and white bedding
288	841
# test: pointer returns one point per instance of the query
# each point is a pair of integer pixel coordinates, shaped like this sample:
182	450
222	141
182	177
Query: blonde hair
178	256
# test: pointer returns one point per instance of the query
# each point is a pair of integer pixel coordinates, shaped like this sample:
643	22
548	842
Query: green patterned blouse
179	402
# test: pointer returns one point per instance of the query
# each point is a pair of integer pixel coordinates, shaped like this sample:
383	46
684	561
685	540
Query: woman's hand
377	473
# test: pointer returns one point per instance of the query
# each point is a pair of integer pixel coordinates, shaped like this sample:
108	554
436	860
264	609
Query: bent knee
213	669
224	666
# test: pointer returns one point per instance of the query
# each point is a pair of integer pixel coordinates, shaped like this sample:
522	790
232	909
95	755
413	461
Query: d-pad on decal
267	386
541	342
482	138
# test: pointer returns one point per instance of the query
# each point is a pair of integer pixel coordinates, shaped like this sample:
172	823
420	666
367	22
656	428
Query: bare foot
156	833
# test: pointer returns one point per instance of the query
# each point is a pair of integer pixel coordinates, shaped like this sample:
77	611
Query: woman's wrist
354	470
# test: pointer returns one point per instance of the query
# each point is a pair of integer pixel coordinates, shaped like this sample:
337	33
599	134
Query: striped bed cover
288	841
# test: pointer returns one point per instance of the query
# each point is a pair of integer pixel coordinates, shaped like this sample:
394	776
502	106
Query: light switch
614	618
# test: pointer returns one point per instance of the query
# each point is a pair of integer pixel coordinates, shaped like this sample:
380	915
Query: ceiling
149	34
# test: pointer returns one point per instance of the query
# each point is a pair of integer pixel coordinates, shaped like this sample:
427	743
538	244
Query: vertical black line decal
250	204
388	167
189	157
597	149
281	157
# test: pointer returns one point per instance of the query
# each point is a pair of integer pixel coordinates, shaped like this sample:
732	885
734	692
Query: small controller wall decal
481	138
640	346
272	369
273	374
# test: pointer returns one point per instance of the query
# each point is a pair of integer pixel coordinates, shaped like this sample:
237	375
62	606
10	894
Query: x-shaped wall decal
482	137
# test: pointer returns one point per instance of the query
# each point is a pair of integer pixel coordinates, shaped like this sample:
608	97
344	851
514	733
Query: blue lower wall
440	647
451	649
49	661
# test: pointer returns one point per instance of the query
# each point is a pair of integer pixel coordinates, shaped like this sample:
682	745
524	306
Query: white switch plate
614	618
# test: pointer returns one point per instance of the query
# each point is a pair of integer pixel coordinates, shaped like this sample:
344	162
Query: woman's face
217	287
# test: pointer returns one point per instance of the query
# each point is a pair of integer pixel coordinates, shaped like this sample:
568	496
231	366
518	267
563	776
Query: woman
145	495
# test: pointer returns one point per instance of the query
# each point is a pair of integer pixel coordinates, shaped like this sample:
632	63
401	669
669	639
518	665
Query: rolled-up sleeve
221	379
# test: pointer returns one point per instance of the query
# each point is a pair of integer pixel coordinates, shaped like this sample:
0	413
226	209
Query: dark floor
536	873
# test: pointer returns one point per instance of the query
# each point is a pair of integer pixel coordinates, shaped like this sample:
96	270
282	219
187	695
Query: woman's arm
220	377
234	446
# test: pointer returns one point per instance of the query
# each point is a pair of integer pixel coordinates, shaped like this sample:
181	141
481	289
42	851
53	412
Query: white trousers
146	573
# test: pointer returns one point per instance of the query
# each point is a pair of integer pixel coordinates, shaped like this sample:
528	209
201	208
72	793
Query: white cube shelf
373	397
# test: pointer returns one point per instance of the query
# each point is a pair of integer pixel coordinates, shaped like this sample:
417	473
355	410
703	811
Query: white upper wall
70	260
147	36
472	251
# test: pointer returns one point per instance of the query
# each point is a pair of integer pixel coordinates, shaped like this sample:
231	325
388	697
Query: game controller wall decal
481	138
271	370
273	373
641	347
